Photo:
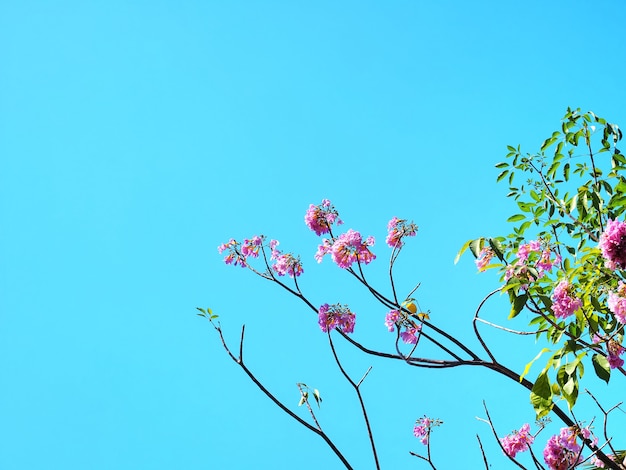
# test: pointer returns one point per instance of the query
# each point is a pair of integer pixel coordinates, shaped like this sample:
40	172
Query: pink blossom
323	249
518	441
398	229
564	304
233	256
251	246
562	451
320	218
397	318
613	244
336	316
525	250
285	264
615	351
391	319
484	258
350	247
531	255
409	335
617	302
423	427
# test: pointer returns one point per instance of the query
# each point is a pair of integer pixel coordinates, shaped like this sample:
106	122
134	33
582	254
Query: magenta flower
323	249
423	427
409	335
564	304
518	441
617	303
525	250
393	317
484	258
233	256
562	451
531	255
398	229
350	247
320	218
285	264
397	318
251	246
336	316
613	244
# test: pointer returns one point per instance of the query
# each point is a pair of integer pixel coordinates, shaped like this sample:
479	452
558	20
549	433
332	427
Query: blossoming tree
564	263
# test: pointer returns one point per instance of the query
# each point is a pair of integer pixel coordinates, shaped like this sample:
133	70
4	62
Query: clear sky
135	137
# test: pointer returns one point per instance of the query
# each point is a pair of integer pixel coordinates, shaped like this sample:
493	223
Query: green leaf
476	246
516	218
602	367
541	395
528	366
502	175
461	251
496	246
502	165
518	305
317	396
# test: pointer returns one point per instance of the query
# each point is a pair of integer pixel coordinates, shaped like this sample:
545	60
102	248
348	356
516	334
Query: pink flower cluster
321	217
236	256
397	318
562	451
398	229
532	255
285	264
346	249
233	256
613	244
239	253
564	304
484	258
617	303
336	316
423	427
517	441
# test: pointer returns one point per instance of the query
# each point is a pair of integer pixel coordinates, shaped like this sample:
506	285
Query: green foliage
564	195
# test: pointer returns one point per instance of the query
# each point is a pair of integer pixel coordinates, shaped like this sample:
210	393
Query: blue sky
135	137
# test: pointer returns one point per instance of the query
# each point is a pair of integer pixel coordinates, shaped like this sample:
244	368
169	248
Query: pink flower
613	244
251	246
423	427
320	218
336	316
563	303
562	451
409	335
525	250
323	249
484	258
397	230
285	263
531	255
233	256
391	319
518	441
397	318
350	247
617	302
615	351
